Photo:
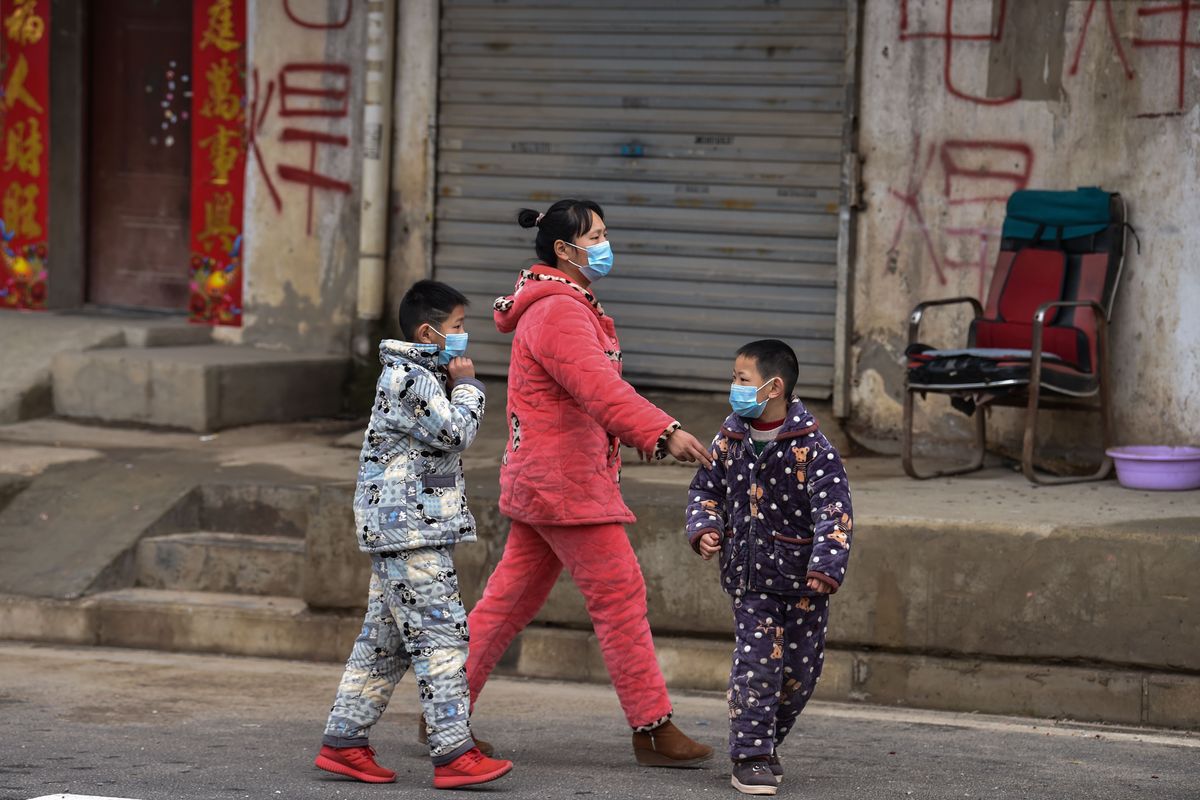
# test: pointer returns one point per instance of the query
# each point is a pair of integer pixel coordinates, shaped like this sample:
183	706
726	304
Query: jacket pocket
440	499
784	569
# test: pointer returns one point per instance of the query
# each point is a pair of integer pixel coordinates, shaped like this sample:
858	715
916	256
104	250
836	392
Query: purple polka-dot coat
783	516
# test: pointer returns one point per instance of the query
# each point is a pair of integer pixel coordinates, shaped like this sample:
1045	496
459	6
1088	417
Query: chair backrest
1054	246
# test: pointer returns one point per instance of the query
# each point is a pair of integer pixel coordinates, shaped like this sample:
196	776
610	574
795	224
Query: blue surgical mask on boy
600	260
744	400
456	345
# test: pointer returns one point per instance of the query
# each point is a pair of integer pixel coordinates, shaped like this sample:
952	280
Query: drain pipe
376	176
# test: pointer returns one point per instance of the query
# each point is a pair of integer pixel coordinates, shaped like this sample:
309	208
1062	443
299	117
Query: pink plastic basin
1157	467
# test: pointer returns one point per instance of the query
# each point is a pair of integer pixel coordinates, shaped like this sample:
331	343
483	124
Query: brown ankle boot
423	738
667	746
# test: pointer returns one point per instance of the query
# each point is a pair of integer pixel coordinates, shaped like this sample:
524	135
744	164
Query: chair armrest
1039	325
914	319
1039	316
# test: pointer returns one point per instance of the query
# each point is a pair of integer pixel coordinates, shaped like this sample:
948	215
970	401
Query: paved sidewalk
155	726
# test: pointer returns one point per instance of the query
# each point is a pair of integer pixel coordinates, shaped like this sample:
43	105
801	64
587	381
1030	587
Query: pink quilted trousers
601	561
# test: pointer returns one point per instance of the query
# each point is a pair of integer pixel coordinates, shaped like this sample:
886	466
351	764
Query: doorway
139	153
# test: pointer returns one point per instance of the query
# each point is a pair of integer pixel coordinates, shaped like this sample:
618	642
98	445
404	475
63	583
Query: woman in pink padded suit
569	411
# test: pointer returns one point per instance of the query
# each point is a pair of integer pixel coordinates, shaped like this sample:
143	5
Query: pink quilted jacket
568	407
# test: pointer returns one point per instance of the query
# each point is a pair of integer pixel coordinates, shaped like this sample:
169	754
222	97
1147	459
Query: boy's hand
818	586
685	447
710	544
461	368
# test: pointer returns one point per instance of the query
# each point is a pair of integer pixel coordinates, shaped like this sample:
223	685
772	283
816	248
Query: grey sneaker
753	777
775	767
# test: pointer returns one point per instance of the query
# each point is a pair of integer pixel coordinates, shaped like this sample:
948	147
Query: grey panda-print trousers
414	616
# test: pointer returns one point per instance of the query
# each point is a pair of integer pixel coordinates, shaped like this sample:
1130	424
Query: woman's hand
461	368
684	447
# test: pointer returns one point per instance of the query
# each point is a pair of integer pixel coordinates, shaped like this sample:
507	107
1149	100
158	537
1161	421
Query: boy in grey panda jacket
410	511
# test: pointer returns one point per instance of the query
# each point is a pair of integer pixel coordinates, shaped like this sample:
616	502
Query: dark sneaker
470	769
423	738
754	777
354	762
776	767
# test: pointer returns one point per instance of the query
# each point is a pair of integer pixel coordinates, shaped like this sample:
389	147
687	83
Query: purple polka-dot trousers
780	648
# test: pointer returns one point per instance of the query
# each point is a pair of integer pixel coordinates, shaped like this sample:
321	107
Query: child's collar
425	355
799	422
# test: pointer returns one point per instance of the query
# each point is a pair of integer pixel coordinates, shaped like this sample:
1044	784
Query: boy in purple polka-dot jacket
775	508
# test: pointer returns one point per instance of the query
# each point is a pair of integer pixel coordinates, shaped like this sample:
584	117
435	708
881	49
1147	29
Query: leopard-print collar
505	303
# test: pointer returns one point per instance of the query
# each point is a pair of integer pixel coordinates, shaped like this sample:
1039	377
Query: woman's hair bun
527	217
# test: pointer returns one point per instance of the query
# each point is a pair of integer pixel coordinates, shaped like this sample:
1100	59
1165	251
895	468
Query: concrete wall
1059	99
302	203
410	251
301	278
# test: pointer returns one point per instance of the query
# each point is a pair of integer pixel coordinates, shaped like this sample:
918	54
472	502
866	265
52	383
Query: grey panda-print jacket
411	491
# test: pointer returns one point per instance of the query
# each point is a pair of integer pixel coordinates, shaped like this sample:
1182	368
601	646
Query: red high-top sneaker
469	769
354	762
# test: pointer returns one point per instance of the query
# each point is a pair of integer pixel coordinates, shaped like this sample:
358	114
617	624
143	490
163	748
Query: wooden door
140	153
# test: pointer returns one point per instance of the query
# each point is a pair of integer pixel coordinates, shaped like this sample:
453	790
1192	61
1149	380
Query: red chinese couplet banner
24	152
218	160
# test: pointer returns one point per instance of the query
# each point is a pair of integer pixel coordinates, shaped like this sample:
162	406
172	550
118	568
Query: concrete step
169	332
215	622
1047	690
201	388
282	627
207	561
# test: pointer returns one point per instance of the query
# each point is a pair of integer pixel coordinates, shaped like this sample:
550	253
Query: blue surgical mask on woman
744	400
600	260
456	345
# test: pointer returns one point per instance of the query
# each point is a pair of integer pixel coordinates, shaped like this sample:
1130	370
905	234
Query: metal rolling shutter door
710	132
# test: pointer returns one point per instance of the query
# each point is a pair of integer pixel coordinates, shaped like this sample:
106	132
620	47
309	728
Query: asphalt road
160	726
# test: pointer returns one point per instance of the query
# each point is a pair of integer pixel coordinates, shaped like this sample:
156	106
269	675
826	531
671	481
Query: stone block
1172	701
335	573
202	388
207	622
206	561
39	619
1104	595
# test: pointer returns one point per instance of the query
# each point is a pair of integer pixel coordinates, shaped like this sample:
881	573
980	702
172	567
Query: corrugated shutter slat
710	132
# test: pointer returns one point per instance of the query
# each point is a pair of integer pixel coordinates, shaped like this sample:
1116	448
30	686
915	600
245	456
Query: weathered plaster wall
410	252
1047	95
303	175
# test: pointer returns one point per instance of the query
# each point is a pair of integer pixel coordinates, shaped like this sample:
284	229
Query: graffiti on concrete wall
952	39
1161	29
1113	35
950	202
309	104
1167	26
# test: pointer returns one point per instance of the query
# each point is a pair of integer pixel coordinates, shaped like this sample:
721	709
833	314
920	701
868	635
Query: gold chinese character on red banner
16	91
20	210
23	25
222	101
223	147
218	221
23	147
220	31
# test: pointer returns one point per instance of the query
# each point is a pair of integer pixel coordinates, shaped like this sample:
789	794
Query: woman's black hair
566	220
